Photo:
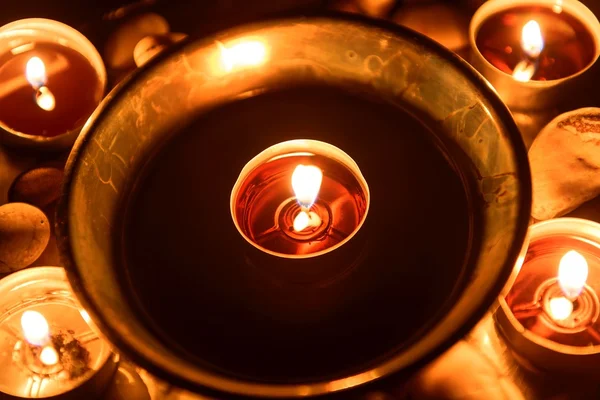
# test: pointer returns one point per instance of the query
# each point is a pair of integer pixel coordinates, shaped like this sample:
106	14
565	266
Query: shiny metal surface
396	63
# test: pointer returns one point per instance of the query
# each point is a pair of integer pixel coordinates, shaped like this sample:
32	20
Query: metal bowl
400	66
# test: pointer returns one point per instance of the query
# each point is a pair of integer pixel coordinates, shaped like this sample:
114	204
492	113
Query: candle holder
52	79
534	53
49	346
286	209
426	162
550	315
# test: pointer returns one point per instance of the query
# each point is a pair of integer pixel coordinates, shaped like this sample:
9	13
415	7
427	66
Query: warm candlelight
572	274
532	45
534	53
35	72
246	53
51	80
47	347
560	308
302	211
551	313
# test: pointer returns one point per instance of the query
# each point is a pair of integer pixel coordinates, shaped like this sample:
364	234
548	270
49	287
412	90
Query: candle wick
525	69
44	98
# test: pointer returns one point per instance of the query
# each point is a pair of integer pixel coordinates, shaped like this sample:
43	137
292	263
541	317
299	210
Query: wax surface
71	79
340	201
193	275
568	45
62	318
541	263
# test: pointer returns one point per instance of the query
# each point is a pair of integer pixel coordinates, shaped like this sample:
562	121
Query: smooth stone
39	186
150	46
565	163
24	234
118	51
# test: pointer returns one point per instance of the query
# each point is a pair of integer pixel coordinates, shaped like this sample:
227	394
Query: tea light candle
550	316
51	80
534	53
48	345
299	199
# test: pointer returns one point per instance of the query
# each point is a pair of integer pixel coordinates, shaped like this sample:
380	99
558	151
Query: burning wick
532	44
37	333
35	72
572	275
306	183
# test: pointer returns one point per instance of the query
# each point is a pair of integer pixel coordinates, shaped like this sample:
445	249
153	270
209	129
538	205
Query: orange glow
49	356
306	183
532	41
532	44
35	328
560	308
572	273
247	53
524	71
35	72
305	220
45	99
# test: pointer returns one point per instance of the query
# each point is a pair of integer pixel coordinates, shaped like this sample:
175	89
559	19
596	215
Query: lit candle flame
248	53
35	328
572	274
532	44
306	183
35	72
531	39
560	308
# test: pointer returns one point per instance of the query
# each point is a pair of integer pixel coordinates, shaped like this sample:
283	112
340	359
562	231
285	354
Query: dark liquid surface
568	45
71	79
197	279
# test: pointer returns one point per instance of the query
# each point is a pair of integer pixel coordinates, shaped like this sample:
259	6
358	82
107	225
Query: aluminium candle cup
534	94
545	353
253	87
85	363
24	33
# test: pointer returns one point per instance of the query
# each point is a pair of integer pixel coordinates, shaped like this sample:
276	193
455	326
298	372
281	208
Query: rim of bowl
380	371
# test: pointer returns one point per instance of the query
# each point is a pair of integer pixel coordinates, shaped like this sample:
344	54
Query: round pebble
39	186
118	51
150	46
24	234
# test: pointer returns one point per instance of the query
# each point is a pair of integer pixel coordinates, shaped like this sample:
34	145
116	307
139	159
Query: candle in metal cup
48	345
299	199
533	52
51	80
550	315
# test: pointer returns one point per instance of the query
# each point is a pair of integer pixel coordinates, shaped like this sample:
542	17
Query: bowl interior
400	70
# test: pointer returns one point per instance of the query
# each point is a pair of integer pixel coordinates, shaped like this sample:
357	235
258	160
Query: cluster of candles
51	83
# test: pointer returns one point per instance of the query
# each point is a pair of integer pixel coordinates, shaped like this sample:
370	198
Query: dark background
192	16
